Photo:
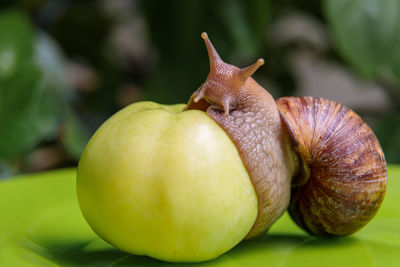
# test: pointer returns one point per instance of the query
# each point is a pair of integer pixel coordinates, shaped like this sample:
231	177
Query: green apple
159	181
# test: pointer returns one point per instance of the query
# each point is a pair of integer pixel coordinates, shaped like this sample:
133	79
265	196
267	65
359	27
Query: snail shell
344	175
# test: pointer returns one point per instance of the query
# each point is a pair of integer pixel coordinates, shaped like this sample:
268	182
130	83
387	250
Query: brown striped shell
344	174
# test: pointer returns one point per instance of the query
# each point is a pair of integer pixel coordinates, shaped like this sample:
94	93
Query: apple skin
159	181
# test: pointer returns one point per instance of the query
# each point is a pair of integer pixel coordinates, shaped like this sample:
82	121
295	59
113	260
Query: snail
186	183
311	156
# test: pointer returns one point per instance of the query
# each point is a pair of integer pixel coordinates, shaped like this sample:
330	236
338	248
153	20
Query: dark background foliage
66	66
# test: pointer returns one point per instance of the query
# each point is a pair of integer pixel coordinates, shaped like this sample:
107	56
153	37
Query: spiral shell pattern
346	174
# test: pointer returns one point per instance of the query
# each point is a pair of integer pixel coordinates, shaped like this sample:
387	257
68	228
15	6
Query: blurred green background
66	66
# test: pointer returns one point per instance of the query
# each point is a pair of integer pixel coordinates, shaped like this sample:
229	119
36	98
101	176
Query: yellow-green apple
159	181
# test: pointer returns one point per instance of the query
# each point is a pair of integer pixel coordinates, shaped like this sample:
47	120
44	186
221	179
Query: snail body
235	101
318	149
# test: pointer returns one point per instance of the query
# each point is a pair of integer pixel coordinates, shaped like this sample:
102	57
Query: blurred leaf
28	109
28	113
75	136
367	34
15	42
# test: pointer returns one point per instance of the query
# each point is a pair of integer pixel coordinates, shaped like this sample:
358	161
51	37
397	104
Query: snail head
225	82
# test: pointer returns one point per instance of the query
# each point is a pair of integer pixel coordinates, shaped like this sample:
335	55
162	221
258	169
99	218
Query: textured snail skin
250	117
347	176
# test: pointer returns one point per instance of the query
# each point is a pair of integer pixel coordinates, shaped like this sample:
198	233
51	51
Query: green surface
41	225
